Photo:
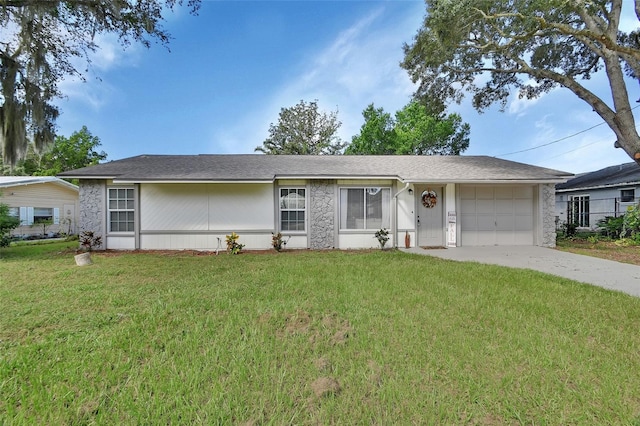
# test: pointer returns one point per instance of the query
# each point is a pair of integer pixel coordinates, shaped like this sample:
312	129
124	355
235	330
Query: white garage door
496	215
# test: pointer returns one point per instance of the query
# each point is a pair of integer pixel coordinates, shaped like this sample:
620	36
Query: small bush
7	224
277	241
611	226
89	240
382	236
593	239
567	231
631	221
233	247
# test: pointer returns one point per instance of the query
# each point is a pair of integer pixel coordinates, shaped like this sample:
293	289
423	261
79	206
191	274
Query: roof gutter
40	182
132	181
611	185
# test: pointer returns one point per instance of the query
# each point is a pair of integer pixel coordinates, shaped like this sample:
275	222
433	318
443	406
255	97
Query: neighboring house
316	202
37	199
589	197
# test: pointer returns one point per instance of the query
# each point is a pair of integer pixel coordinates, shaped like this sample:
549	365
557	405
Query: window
627	195
292	209
579	210
42	214
31	215
121	210
364	208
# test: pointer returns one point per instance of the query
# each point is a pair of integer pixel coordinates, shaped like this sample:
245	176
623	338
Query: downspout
394	227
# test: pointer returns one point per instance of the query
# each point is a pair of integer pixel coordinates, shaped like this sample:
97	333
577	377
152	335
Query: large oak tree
42	41
530	46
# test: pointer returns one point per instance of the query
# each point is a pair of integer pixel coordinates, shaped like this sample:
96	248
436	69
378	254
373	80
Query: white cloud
92	89
519	105
358	67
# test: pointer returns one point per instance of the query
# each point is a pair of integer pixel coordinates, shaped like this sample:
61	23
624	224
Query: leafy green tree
42	43
414	131
28	166
7	224
494	47
377	134
303	130
419	133
79	150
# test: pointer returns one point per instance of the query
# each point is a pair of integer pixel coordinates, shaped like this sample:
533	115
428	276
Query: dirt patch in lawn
610	250
329	327
325	386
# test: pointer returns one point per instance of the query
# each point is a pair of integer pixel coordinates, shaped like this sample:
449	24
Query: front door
430	217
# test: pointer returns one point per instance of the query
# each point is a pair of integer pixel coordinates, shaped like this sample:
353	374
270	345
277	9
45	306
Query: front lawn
308	338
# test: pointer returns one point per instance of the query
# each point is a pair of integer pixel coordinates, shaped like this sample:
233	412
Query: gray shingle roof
619	175
258	167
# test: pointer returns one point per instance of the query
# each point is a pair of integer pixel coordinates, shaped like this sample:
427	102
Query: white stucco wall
206	207
361	240
195	216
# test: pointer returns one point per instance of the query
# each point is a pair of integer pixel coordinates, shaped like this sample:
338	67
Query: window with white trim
292	209
42	214
579	210
365	208
121	209
32	215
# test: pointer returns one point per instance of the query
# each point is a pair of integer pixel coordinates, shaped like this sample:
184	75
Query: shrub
44	224
568	230
382	236
233	247
7	224
631	221
89	240
593	239
277	241
611	226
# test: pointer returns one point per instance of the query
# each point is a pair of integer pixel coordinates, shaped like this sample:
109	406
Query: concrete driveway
604	273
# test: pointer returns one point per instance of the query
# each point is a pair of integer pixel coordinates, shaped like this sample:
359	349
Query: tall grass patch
308	338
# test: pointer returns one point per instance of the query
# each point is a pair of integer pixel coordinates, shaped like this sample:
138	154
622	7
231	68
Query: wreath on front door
429	198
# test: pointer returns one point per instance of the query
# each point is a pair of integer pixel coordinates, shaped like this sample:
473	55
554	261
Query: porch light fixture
410	191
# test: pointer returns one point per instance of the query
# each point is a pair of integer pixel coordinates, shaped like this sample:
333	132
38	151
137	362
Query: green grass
194	339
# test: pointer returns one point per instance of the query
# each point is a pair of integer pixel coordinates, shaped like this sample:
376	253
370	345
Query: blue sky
234	66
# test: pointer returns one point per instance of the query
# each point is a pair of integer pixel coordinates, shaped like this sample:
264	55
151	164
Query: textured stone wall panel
548	215
322	215
92	208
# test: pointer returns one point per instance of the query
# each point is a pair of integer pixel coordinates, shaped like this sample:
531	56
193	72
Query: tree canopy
529	46
377	134
414	131
64	154
41	43
304	130
79	150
